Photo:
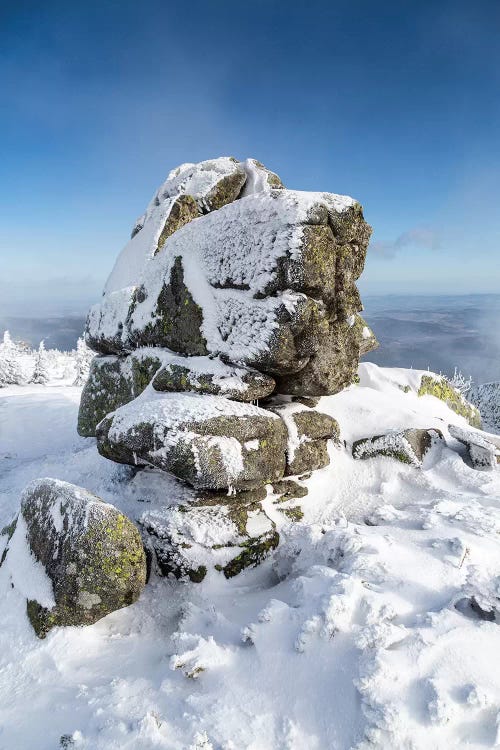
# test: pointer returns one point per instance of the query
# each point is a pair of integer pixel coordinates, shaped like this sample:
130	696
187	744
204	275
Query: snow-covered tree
461	383
41	371
10	363
83	358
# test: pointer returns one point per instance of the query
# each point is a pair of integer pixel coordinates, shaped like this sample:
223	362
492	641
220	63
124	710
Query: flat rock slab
115	380
92	554
483	448
208	441
408	446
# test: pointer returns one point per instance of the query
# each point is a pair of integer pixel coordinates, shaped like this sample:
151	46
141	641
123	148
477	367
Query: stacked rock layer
234	298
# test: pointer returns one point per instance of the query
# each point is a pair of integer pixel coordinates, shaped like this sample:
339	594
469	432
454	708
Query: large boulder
267	280
91	553
208	441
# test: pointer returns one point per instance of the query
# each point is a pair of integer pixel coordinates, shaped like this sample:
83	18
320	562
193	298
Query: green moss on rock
253	553
94	558
439	387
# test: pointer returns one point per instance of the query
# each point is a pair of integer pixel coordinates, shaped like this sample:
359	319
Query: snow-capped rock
208	441
408	446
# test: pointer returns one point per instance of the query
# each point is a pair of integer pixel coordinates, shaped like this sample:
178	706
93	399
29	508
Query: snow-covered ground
348	637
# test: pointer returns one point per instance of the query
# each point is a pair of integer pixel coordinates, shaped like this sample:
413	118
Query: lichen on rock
441	388
92	554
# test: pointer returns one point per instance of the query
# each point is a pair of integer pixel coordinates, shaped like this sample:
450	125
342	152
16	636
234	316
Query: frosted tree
41	371
84	357
10	362
461	383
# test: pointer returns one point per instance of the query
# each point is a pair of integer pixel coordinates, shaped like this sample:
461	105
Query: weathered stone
408	446
441	388
176	320
208	441
114	381
334	363
308	433
310	401
218	379
183	210
106	389
92	554
483	448
288	488
278	269
308	456
228	533
192	189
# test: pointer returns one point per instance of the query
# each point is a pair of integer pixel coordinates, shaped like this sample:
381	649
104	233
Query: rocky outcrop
231	291
91	554
408	446
483	448
267	280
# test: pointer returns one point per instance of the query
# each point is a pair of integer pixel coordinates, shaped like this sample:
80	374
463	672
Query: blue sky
395	103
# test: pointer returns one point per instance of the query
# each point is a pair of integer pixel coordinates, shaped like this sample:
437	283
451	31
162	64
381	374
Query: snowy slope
348	638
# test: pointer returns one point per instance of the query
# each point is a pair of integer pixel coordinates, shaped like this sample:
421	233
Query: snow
26	573
356	633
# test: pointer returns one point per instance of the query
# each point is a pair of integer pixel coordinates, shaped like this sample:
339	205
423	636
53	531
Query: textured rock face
92	554
208	441
114	381
267	280
308	434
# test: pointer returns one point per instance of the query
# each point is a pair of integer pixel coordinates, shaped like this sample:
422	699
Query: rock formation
232	308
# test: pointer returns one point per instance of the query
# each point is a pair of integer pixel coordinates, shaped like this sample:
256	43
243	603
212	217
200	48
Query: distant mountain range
437	332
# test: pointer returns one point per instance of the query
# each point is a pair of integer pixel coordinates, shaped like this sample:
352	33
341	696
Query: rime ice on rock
231	290
267	280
